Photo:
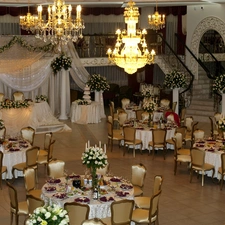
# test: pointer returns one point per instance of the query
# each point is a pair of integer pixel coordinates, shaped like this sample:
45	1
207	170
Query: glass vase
94	178
150	122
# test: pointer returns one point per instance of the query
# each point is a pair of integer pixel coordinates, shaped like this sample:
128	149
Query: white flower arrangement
51	215
2	124
94	157
82	102
219	84
149	105
175	79
98	83
147	90
8	104
221	124
60	62
41	98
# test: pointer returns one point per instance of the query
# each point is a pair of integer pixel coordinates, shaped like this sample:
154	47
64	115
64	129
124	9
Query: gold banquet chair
27	133
125	102
121	212
130	139
221	170
2	133
143	202
30	183
2	97
214	129
198	163
31	161
16	208
165	103
3	169
77	212
34	203
47	142
103	171
56	168
138	174
18	96
94	221
150	216
139	114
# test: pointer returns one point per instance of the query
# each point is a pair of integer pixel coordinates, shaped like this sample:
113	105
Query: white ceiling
110	3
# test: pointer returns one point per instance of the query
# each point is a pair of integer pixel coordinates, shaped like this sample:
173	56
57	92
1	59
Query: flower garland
23	43
175	79
149	105
52	215
60	62
2	125
8	104
219	84
41	98
82	102
98	83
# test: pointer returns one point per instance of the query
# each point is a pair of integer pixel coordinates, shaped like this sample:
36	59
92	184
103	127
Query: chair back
182	115
47	140
111	113
129	134
138	173
1	159
145	116
125	102
109	118
110	129
182	130
159	136
29	179
2	97
32	156
165	103
113	106
77	212
94	221
50	151
188	123
18	96
121	211
139	114
198	134
103	171
122	117
56	168
27	133
217	116
157	184
174	105
223	162
33	203
197	157
2	132
13	198
178	140
154	206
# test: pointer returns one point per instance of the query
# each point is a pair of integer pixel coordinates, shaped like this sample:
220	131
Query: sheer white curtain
9	25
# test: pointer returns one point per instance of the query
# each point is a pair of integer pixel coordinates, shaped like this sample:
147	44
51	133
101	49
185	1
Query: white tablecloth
37	114
84	114
146	136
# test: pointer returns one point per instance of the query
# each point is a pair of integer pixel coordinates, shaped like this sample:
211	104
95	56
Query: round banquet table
84	114
14	155
98	208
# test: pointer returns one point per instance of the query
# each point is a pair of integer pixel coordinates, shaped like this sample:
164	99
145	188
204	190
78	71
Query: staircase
202	103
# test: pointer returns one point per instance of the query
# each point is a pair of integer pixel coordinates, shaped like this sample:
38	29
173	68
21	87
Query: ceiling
110	3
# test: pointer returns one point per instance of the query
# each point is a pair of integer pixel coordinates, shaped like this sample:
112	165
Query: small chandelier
131	51
156	21
60	27
28	22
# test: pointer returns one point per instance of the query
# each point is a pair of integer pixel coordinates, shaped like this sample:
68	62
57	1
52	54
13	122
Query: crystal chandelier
156	21
28	22
60	27
131	51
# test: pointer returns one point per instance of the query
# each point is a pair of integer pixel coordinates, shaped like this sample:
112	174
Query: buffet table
84	114
37	114
57	191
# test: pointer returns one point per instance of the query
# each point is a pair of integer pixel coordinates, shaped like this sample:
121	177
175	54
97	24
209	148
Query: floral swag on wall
175	79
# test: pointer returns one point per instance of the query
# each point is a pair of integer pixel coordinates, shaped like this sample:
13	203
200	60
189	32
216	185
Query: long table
37	114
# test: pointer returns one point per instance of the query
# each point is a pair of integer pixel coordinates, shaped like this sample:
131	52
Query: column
99	98
64	74
176	99
223	104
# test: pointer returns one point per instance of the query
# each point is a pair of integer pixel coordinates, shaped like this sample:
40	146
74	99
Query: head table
60	191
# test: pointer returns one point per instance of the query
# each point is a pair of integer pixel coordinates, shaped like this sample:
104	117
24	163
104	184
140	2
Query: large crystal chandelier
60	27
156	21
131	51
28	22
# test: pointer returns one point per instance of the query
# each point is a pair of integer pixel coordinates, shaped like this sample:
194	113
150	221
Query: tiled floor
181	203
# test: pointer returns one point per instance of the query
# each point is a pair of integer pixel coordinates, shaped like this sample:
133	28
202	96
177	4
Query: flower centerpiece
94	158
97	82
147	90
221	125
41	98
2	125
8	104
60	62
219	84
175	79
149	106
52	215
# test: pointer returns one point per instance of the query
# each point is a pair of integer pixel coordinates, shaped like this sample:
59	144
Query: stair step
208	102
200	118
201	107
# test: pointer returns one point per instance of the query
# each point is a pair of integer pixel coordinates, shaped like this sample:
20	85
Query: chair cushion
137	191
43	152
36	193
106	220
140	216
4	169
184	151
20	166
184	158
142	202
23	208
